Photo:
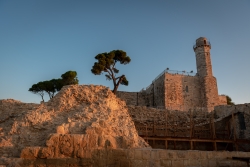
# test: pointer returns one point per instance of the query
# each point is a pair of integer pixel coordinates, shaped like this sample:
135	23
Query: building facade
181	90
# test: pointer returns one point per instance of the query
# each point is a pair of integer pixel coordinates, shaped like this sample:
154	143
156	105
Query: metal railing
172	72
148	86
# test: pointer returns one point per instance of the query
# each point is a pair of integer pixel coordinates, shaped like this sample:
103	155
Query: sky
42	39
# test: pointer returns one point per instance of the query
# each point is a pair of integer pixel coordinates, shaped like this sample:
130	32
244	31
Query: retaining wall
143	158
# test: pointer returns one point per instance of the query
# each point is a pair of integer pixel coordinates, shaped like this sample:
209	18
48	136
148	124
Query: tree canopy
69	78
106	62
229	100
51	87
38	89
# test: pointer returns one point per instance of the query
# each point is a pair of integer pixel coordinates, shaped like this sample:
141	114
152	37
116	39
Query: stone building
179	90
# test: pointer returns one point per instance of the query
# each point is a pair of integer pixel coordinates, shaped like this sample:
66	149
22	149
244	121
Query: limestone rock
78	117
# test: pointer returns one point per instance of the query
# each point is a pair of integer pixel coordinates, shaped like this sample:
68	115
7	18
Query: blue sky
42	39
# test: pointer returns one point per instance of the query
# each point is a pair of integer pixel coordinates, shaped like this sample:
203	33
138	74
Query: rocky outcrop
78	118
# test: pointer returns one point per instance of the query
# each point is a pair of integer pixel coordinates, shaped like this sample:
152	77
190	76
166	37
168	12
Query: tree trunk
115	89
117	84
42	98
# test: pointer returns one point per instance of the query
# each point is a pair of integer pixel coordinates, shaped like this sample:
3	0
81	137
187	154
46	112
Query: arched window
205	42
186	88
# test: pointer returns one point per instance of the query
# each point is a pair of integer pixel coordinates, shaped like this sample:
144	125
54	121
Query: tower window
186	88
205	42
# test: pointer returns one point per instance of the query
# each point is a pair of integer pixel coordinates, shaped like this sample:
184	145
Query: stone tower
202	54
209	90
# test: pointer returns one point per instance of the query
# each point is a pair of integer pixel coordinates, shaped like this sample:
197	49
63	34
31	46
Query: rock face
77	118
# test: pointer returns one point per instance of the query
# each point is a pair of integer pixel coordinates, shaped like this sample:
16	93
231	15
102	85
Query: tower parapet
202	42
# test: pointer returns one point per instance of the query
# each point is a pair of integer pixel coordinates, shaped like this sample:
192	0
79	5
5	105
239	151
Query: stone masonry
241	114
136	158
182	91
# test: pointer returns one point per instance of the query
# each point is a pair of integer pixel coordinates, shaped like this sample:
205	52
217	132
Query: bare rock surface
79	117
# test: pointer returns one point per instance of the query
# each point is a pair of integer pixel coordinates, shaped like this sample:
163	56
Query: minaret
202	54
208	83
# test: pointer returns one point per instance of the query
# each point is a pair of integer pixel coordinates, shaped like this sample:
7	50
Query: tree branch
118	77
108	71
114	64
118	83
113	76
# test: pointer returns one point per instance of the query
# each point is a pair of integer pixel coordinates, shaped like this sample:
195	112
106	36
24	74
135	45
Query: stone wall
149	114
209	92
174	123
177	92
149	95
182	92
132	98
163	122
223	100
159	91
241	117
140	158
